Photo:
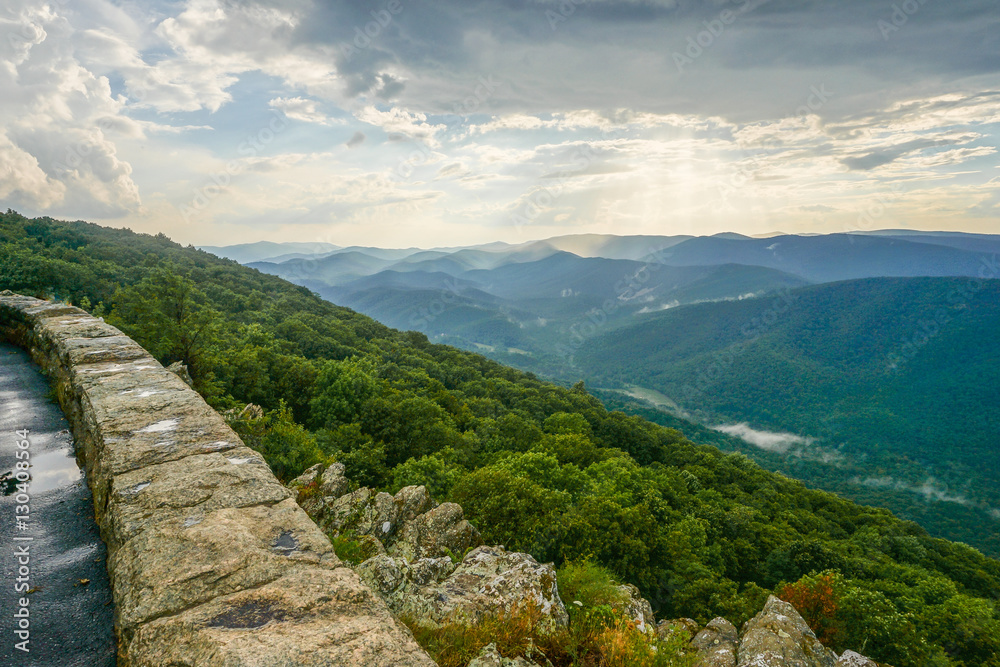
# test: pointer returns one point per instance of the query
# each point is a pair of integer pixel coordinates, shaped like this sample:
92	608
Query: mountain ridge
540	468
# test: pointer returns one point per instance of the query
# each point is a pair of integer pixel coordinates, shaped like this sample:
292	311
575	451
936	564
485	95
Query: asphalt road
70	609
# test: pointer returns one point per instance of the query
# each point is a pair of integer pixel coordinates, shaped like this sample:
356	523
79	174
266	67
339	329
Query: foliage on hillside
537	467
962	523
894	379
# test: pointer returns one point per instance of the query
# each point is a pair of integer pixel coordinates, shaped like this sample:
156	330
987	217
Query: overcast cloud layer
411	122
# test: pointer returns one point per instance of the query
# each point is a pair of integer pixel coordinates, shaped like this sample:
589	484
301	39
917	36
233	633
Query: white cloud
21	179
930	489
101	102
55	136
299	108
766	440
397	120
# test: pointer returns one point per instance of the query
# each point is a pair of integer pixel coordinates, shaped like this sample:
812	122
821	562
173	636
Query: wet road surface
70	611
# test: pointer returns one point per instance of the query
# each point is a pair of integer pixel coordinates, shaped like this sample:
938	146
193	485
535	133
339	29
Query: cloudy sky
448	122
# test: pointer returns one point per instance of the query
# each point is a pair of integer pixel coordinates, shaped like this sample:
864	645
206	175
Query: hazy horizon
765	235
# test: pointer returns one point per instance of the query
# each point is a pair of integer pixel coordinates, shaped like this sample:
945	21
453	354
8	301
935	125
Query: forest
892	380
538	467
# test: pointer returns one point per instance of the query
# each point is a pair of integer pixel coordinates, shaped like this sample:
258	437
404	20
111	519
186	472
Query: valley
582	475
847	342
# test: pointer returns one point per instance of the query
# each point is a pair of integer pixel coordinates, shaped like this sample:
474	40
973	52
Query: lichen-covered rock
319	487
637	608
685	627
436	533
852	659
716	645
181	371
779	637
489	579
363	512
413	501
407	524
490	657
496	578
395	579
307	478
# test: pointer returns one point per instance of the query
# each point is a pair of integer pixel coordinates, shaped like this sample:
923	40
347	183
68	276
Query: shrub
589	584
348	548
817	598
612	642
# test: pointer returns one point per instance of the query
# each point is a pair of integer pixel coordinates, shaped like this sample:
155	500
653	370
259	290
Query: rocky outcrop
443	530
776	637
684	627
490	657
637	608
779	637
852	659
413	544
487	581
409	525
211	561
716	645
413	541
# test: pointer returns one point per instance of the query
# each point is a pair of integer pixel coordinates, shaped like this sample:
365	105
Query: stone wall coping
211	561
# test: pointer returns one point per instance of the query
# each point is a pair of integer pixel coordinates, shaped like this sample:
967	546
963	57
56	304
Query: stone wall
211	560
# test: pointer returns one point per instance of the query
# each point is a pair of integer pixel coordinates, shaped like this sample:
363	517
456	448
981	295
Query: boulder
363	512
439	532
413	501
490	657
407	524
637	608
779	637
332	482
852	659
716	645
181	371
319	487
686	627
433	591
307	478
398	580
